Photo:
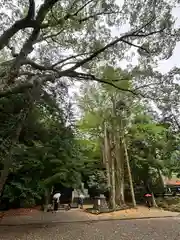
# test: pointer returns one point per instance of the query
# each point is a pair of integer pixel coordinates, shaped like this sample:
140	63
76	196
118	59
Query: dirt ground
20	212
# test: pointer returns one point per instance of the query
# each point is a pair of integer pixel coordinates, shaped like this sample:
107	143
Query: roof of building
172	181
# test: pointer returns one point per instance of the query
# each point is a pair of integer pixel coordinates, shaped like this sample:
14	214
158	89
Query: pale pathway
79	216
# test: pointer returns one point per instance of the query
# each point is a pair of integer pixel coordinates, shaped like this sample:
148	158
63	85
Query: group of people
56	200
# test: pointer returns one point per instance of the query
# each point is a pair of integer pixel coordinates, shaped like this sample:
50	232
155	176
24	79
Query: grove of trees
128	131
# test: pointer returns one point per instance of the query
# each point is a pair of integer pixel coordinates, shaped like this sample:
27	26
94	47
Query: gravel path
154	229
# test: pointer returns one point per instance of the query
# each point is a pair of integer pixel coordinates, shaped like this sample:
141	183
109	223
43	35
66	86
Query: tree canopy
62	40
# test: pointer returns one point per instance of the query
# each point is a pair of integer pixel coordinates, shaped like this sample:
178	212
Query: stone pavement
146	229
77	215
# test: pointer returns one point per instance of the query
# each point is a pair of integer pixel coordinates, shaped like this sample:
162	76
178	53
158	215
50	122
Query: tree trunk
119	189
119	157
129	173
107	156
154	201
46	199
119	172
113	182
161	180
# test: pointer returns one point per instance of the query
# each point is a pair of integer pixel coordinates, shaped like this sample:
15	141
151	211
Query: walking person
148	197
56	201
81	200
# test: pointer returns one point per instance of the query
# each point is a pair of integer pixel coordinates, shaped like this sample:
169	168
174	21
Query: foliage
98	182
47	152
151	144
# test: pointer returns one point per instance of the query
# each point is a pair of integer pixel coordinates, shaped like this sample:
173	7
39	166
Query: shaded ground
157	229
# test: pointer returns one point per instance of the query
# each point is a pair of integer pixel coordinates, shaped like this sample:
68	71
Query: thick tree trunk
122	199
107	156
119	158
46	199
113	183
112	173
119	190
129	173
119	172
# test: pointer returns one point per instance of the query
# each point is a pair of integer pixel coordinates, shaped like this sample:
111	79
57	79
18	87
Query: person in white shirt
56	200
81	200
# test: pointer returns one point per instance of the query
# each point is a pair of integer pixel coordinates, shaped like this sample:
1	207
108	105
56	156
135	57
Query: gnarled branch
28	21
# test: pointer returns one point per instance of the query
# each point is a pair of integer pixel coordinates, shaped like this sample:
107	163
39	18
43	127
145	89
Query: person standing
56	201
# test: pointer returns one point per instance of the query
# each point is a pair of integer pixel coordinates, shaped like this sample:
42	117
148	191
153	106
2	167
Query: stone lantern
100	203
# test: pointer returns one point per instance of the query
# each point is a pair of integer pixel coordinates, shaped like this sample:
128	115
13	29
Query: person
56	200
148	197
81	200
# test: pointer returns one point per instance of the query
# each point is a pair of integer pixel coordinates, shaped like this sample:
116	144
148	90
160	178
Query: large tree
59	39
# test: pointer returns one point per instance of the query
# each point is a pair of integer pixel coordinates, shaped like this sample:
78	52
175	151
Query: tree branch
127	35
66	17
82	7
20	88
28	21
49	36
101	50
69	58
84	76
137	46
28	45
38	66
